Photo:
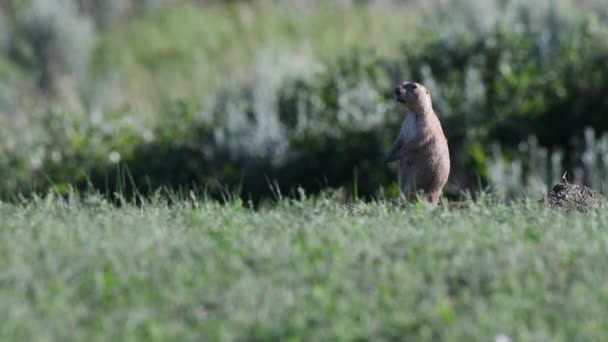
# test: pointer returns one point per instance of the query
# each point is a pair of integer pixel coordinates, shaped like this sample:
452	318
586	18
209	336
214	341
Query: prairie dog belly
406	172
405	175
425	170
409	128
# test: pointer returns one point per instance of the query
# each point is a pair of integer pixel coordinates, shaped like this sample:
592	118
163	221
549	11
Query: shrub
333	129
515	95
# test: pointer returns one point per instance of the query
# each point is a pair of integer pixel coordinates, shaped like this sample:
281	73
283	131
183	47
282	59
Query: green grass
312	270
187	51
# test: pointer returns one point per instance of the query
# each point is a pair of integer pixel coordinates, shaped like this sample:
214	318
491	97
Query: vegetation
259	94
265	105
308	269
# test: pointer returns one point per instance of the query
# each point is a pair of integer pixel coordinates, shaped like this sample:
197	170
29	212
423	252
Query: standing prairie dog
421	147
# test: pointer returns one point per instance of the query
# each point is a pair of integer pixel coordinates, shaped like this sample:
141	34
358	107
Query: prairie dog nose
398	90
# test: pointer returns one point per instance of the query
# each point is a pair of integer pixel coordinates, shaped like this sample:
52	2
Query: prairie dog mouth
399	93
399	98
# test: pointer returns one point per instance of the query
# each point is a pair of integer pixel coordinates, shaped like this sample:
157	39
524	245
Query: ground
567	197
312	269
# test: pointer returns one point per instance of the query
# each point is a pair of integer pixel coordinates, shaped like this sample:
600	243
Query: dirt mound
570	197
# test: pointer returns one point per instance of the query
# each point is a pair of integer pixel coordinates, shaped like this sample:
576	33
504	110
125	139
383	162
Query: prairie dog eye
414	87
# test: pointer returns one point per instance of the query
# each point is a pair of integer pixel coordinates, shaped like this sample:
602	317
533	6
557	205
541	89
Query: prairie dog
421	147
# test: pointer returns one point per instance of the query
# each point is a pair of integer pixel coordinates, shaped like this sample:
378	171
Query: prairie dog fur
421	147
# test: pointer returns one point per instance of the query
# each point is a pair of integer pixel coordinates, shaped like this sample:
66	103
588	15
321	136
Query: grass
311	269
188	51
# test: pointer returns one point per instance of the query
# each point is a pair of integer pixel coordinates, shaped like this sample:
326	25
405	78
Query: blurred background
258	97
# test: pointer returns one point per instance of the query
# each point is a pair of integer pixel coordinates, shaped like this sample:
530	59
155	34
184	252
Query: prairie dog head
415	96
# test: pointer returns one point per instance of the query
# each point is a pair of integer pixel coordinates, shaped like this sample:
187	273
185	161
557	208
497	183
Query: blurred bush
516	85
536	71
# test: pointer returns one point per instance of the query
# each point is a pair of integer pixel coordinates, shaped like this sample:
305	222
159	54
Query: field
312	269
113	114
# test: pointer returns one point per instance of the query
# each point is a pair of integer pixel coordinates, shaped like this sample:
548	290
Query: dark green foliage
506	86
332	128
501	87
328	138
556	92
